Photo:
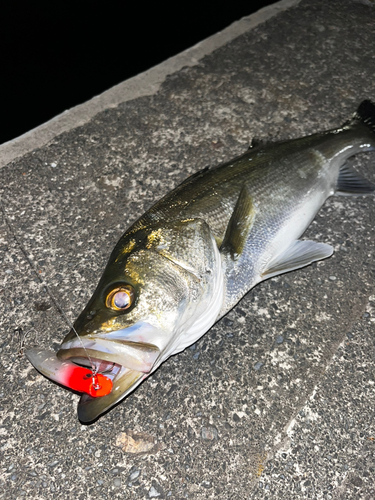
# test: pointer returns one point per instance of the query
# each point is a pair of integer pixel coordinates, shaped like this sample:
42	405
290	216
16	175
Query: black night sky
57	55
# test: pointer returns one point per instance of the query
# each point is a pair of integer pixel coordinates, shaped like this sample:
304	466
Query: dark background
57	55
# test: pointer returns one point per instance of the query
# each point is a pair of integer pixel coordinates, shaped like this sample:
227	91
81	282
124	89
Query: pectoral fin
239	225
298	254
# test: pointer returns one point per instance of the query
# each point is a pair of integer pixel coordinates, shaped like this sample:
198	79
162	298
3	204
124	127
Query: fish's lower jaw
124	380
89	408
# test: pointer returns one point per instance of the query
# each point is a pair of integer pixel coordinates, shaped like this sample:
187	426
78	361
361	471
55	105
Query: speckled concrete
277	399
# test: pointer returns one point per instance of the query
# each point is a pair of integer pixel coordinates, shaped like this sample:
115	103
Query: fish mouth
138	356
122	364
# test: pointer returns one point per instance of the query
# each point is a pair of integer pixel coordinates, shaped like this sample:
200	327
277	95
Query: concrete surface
277	399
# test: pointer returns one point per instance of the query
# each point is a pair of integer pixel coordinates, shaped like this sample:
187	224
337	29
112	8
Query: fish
196	252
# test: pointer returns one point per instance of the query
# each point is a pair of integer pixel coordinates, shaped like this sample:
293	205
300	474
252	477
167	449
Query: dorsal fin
255	143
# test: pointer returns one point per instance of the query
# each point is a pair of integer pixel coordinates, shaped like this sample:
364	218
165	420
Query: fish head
159	282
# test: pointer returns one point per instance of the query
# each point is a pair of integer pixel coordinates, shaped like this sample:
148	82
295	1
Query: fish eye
121	298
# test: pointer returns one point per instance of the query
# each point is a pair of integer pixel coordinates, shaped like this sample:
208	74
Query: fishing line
44	284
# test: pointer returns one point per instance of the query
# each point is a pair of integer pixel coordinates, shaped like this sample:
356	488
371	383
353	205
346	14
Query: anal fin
299	254
239	225
351	183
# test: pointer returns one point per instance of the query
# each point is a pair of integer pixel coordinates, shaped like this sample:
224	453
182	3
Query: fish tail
365	114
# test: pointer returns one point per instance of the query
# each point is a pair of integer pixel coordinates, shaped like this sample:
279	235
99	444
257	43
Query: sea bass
193	255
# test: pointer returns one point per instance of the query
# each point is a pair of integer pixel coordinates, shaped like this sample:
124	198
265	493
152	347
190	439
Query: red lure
82	379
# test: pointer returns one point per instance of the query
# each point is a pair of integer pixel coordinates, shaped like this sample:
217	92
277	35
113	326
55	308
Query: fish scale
190	258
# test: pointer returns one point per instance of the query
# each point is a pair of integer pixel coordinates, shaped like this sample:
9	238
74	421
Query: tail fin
366	115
